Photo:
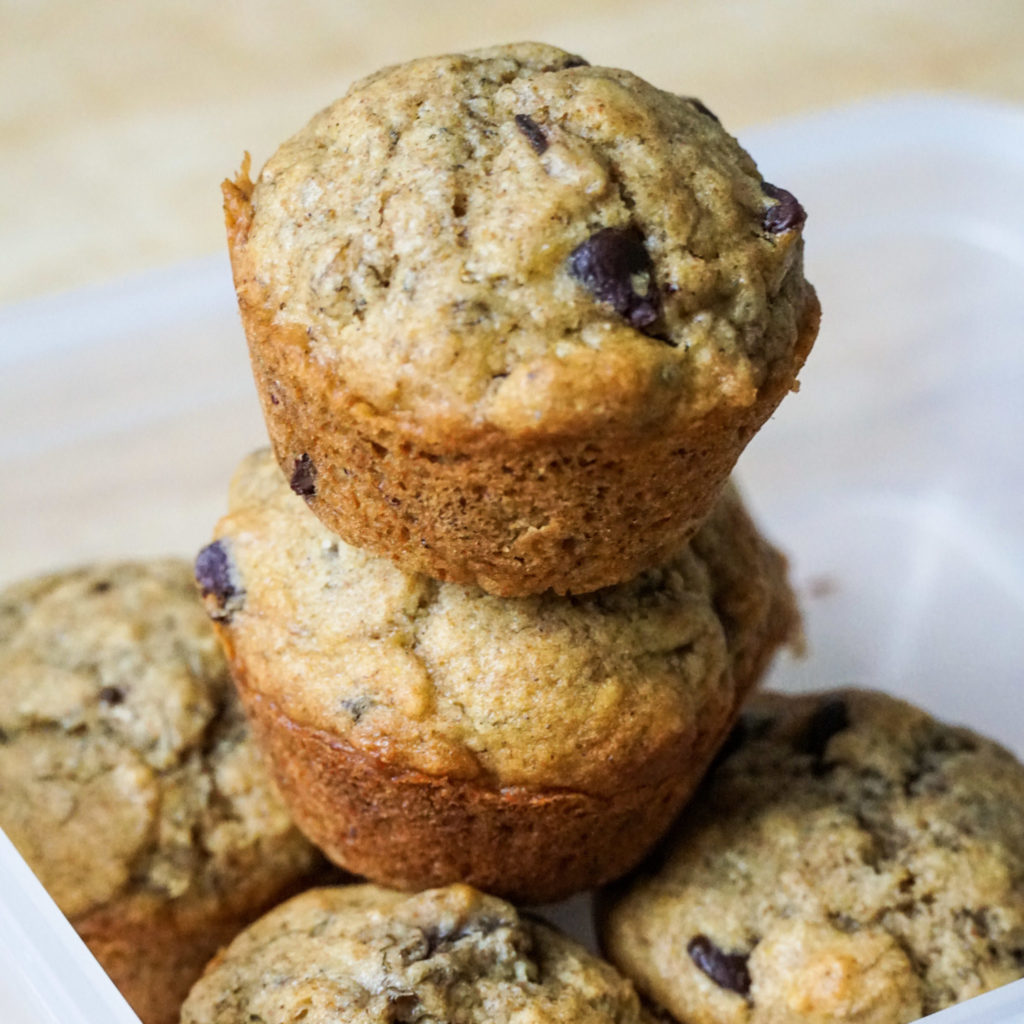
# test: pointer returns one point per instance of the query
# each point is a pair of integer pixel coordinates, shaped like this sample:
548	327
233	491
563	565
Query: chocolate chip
575	62
403	1008
112	695
786	215
693	101
614	265
440	939
215	577
303	481
534	133
101	586
829	719
213	572
357	706
727	970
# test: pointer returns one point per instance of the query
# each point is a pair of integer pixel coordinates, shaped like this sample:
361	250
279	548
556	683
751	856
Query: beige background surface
118	120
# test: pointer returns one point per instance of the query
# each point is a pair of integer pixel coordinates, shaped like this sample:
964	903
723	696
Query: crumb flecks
869	858
445	954
384	187
127	765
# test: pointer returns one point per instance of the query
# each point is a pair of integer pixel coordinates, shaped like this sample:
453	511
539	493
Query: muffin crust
509	307
127	777
851	860
362	954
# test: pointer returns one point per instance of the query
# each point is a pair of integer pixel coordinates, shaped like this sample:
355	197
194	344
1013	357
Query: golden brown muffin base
514	514
178	941
414	831
155	985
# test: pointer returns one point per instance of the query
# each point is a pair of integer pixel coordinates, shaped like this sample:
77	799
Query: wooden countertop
119	121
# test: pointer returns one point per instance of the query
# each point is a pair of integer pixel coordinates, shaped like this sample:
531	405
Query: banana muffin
128	780
851	860
365	955
425	732
513	318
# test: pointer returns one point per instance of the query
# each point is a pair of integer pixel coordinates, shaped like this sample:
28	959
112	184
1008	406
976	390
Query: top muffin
481	254
484	237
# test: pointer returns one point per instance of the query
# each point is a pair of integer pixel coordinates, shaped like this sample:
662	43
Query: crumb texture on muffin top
126	770
851	860
363	954
515	239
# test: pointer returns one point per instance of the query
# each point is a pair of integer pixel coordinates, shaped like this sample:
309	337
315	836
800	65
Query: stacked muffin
494	607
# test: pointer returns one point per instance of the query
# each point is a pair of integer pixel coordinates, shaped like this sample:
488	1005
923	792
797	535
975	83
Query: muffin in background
128	780
850	860
425	733
366	955
513	318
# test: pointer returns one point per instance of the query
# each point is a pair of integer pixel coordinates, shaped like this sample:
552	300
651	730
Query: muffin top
513	238
452	681
363	954
851	859
126	769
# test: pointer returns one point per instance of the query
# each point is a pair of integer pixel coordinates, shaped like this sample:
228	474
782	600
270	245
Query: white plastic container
895	479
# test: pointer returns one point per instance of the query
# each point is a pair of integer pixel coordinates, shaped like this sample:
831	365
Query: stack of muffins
492	604
493	608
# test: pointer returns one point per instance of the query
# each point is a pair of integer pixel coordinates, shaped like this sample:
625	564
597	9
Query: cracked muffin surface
472	236
480	722
851	859
363	954
515	259
128	780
